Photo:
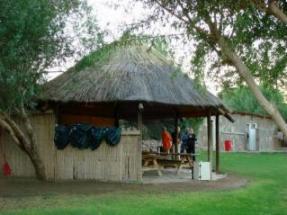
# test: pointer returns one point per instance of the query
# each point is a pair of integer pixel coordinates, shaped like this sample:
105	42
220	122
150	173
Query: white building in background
249	132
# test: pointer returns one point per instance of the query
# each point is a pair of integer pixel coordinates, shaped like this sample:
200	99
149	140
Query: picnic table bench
157	161
150	162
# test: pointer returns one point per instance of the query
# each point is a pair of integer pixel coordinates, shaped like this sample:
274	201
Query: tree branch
171	11
245	73
25	144
276	11
28	126
8	128
270	8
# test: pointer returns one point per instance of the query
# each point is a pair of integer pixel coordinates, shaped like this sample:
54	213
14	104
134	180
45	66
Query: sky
114	19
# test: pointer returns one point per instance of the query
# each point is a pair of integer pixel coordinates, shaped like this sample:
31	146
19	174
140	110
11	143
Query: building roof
129	75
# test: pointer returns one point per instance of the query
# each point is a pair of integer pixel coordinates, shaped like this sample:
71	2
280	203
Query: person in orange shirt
166	140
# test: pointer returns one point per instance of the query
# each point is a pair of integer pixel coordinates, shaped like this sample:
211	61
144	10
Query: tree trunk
26	142
246	75
38	164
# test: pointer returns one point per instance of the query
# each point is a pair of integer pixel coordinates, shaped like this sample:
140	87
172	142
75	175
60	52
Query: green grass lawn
266	193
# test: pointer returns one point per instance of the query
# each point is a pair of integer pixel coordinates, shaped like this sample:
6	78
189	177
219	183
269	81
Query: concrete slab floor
169	176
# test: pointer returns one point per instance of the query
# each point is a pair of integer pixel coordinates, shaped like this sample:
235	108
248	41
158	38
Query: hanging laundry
113	136
61	138
97	135
84	136
79	136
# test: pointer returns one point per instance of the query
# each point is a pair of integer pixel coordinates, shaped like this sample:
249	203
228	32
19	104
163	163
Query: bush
242	100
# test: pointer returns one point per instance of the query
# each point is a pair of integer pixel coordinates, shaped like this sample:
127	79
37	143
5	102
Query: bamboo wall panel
18	161
44	129
107	163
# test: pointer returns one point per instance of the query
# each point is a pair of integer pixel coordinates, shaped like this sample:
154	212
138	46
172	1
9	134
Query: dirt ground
22	187
21	193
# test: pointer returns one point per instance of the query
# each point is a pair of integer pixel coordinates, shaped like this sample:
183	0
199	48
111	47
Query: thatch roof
128	74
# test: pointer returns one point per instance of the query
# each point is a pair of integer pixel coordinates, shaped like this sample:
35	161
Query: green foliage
199	62
153	129
242	100
194	123
102	55
255	35
32	37
161	45
260	41
98	56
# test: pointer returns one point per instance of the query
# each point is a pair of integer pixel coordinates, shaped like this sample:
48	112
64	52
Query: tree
32	37
242	100
230	31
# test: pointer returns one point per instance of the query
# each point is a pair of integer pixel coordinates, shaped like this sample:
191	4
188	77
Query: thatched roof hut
116	82
115	79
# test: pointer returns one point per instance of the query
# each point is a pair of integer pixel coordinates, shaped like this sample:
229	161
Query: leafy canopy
242	100
255	35
32	37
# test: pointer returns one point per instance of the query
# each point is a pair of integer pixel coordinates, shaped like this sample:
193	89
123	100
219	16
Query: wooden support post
176	135
140	128
217	149
209	133
140	123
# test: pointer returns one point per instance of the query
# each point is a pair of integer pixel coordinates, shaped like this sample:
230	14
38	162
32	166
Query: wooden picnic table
157	161
182	160
150	162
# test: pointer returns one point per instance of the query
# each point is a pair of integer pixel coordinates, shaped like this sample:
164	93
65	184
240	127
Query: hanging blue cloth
61	138
97	135
79	136
113	136
84	136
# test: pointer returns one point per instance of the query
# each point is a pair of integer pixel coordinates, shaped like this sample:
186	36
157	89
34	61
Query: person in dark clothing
191	140
184	139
